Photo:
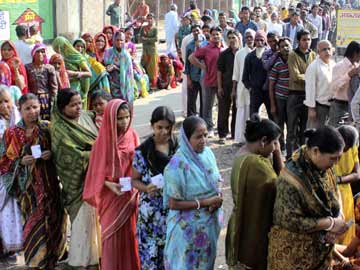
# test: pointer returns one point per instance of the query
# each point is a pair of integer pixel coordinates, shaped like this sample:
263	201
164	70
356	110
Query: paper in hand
125	184
36	151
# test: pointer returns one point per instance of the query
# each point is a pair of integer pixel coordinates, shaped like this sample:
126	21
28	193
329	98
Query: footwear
211	134
221	140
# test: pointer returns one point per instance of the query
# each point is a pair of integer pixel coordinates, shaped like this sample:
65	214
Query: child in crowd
98	100
166	73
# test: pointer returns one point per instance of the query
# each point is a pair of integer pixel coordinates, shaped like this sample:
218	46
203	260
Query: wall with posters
26	12
348	27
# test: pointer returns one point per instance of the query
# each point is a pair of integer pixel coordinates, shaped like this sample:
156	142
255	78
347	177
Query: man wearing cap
171	28
292	28
254	75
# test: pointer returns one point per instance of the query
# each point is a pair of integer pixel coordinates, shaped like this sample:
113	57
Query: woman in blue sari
192	195
119	66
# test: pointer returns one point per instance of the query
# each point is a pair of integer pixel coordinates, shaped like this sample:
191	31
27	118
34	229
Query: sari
151	223
100	54
90	50
37	190
114	30
166	73
253	191
110	159
10	214
42	82
149	58
191	235
21	67
121	79
99	79
303	195
71	146
61	75
74	61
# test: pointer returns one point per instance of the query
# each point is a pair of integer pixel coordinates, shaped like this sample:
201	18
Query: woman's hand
46	155
340	226
27	160
213	203
151	189
114	187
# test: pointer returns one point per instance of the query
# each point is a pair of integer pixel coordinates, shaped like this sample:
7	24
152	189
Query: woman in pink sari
111	159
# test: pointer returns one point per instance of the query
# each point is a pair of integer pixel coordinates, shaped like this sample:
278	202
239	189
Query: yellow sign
348	27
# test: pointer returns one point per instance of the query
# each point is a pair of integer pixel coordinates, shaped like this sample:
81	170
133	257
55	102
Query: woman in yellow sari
253	179
307	217
347	171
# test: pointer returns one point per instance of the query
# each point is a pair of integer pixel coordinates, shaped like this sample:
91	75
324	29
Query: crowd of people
77	185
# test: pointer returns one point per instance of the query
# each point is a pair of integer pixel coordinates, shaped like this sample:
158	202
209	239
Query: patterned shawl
71	146
5	74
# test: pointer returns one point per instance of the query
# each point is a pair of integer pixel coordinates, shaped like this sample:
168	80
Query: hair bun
255	118
309	132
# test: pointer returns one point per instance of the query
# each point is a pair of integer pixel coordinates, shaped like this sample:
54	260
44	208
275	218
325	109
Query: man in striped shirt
279	86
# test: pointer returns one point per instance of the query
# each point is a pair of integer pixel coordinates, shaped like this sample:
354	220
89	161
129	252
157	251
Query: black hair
222	14
215	28
205	26
351	49
258	128
64	98
255	8
349	134
100	93
299	5
294	14
314	6
190	124
195	26
282	39
192	5
20	31
129	28
301	33
326	138
26	97
79	41
163	113
233	32
124	106
245	9
272	35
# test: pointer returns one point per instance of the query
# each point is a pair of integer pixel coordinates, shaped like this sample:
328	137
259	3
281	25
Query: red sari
100	53
10	61
111	158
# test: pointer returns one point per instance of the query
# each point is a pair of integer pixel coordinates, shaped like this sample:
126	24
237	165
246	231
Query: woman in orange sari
111	162
18	71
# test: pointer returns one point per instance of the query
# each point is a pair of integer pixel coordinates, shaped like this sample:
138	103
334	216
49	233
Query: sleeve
288	209
294	71
187	62
269	60
221	64
320	29
52	82
355	108
310	86
174	180
200	53
246	72
340	77
109	10
236	71
139	162
274	74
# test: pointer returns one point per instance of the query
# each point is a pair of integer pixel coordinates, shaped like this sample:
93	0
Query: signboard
348	27
4	25
27	13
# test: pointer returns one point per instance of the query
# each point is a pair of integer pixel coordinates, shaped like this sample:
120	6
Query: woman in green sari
253	188
99	79
307	214
73	133
76	66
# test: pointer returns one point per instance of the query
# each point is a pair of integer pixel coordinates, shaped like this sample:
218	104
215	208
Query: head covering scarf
91	48
261	34
37	47
114	30
100	53
109	155
64	78
5	74
10	62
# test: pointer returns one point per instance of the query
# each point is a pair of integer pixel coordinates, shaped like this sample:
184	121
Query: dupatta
63	76
5	73
10	61
111	158
100	54
71	146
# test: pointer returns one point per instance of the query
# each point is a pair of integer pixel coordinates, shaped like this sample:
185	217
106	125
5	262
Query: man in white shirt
274	25
316	20
318	77
171	28
23	49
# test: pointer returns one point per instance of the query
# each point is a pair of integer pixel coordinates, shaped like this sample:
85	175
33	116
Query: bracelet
332	224
198	204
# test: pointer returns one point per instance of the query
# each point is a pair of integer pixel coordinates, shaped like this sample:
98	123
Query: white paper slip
125	183
2	126
158	180
36	151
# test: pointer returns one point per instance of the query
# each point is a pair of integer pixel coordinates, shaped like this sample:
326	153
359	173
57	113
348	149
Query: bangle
332	224
79	75
198	204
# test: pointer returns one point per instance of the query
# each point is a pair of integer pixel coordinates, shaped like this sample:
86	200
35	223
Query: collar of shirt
213	45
